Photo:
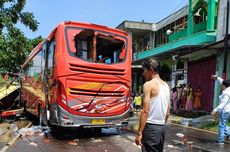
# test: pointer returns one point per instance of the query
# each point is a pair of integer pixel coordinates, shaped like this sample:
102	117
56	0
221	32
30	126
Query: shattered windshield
96	46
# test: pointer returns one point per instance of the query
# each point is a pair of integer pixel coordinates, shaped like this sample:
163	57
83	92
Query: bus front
95	86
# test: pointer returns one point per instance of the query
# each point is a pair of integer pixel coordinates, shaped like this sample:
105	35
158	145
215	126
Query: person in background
179	96
189	98
137	102
174	99
223	109
197	99
132	100
183	97
156	109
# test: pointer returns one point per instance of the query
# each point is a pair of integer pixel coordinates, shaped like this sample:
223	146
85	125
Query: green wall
219	72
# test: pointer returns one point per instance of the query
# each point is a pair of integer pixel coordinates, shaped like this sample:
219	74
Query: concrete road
109	140
115	140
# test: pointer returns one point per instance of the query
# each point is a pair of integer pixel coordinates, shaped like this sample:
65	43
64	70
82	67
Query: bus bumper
62	118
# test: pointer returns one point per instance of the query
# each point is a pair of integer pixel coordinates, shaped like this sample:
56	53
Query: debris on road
170	146
74	143
180	135
32	130
13	130
33	144
96	140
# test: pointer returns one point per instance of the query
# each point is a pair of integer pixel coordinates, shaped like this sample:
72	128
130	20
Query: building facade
185	41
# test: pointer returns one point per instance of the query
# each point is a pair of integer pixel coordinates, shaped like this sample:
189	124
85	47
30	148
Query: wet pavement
201	140
110	140
194	139
114	140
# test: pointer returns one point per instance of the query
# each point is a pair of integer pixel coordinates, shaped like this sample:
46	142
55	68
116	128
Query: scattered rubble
13	130
197	122
74	143
32	130
180	135
33	144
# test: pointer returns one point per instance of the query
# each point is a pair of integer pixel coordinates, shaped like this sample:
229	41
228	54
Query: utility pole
226	43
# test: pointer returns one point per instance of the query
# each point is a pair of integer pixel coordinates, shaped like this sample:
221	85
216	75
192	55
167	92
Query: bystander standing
174	99
156	109
197	99
223	109
189	102
137	102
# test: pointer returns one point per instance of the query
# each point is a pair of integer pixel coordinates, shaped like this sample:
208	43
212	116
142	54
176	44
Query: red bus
80	76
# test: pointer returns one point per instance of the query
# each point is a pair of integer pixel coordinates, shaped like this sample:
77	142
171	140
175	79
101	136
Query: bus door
50	82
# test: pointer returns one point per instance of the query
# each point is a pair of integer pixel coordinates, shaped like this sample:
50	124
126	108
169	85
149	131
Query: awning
207	50
170	53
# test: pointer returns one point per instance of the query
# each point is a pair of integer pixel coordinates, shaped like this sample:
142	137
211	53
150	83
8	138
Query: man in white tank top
156	109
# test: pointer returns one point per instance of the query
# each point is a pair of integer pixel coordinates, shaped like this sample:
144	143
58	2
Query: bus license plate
98	121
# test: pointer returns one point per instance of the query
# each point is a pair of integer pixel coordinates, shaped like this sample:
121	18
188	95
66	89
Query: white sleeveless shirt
159	105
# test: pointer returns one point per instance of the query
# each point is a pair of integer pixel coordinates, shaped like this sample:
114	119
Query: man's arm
224	101
144	112
145	109
168	110
219	79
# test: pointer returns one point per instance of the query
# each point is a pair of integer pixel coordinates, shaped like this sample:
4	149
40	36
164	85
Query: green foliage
14	46
213	127
34	42
16	50
11	13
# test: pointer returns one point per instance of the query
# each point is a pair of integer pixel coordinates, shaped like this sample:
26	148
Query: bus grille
76	91
97	70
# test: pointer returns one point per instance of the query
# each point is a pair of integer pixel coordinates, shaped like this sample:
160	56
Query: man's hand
214	77
138	140
213	113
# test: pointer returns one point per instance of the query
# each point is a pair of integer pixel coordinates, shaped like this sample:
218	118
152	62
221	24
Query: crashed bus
79	76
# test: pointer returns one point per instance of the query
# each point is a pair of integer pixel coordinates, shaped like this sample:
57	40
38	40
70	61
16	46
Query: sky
49	13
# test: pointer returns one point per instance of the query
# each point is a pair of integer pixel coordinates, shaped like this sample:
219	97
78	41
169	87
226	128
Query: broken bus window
97	47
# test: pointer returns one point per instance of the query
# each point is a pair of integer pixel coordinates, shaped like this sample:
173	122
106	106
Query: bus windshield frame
95	45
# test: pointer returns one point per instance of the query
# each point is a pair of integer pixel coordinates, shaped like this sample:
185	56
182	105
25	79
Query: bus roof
74	23
70	23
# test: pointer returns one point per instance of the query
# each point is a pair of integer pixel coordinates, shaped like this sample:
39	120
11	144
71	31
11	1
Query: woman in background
174	99
189	98
197	99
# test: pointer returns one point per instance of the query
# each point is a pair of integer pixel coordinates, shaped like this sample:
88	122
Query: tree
11	13
16	49
14	46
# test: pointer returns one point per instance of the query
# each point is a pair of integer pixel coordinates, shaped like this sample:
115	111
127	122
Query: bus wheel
39	115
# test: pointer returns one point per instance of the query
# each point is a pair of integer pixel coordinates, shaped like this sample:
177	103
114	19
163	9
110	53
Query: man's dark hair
152	64
226	83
